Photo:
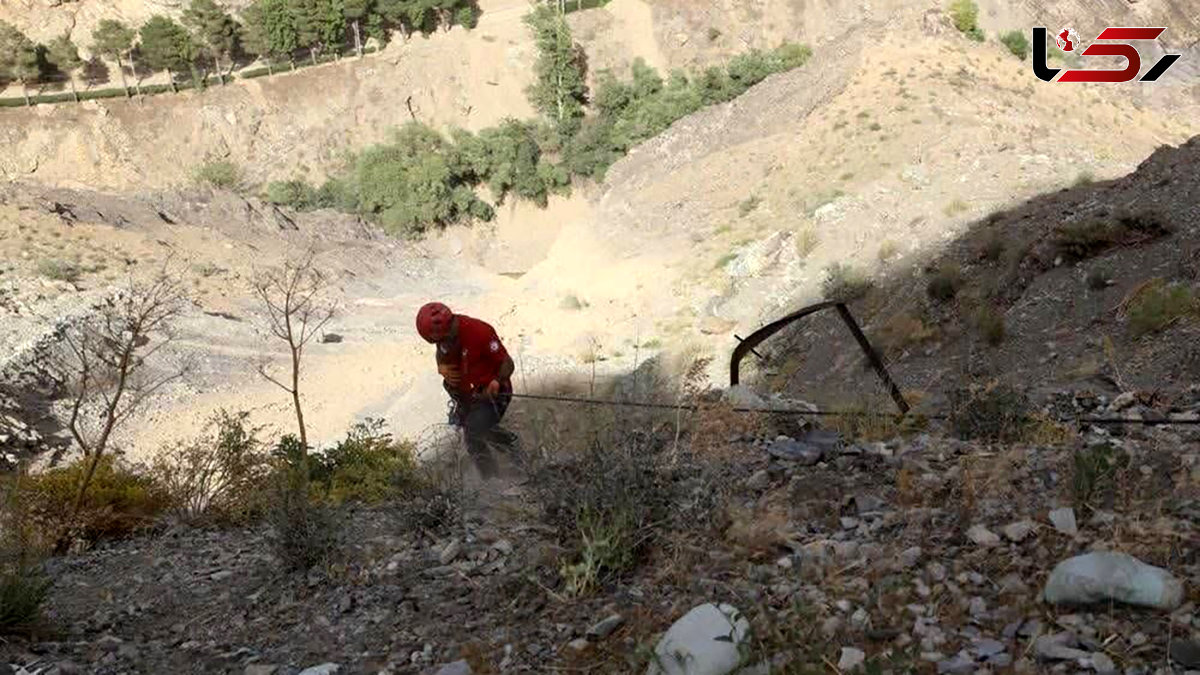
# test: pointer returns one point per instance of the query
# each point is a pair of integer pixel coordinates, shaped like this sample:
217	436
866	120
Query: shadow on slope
1090	287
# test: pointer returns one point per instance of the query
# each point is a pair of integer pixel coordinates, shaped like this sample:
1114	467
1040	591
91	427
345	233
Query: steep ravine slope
727	220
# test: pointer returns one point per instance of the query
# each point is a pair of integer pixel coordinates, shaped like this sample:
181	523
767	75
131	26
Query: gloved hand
454	416
450	374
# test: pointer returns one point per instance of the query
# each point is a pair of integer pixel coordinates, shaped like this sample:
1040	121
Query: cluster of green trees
421	178
209	40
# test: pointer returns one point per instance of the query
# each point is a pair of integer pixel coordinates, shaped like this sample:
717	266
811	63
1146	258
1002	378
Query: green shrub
945	284
305	530
1094	473
1017	43
844	284
222	174
23	586
119	501
23	590
643	106
59	270
965	15
509	158
295	194
1159	305
416	181
368	466
466	16
990	324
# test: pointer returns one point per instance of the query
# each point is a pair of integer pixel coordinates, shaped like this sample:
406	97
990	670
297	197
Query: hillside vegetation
209	41
422	179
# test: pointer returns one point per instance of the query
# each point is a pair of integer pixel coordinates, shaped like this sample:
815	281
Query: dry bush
218	476
945	283
904	331
612	479
844	283
1091	236
1155	305
990	412
989	322
121	500
605	489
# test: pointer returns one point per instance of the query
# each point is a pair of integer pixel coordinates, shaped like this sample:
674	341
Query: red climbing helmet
433	321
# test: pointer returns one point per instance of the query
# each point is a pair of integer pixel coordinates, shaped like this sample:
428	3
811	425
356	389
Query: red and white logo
1112	41
1067	39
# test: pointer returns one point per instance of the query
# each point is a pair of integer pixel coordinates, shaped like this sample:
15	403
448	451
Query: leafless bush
105	373
298	307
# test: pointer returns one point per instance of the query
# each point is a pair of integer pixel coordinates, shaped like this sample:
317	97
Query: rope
830	413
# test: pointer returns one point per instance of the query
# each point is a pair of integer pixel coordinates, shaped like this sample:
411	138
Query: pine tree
63	54
112	39
167	46
271	30
319	23
214	28
18	58
559	89
356	11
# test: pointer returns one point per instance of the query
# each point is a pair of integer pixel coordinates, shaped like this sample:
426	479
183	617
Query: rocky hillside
880	150
914	554
1096	286
870	156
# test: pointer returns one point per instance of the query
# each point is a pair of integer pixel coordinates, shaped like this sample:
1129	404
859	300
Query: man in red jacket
476	372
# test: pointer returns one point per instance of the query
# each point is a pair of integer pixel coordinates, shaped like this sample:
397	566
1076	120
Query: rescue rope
833	413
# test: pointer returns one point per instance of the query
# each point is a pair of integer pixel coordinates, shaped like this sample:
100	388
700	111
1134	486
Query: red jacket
476	353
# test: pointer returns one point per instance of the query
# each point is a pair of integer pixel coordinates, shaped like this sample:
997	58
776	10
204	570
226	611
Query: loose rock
691	645
456	668
852	659
1108	575
1018	531
1064	521
983	536
1186	653
606	627
323	669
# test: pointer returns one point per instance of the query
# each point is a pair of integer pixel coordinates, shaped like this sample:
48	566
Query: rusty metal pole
873	357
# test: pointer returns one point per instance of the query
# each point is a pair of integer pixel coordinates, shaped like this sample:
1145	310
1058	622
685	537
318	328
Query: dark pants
480	417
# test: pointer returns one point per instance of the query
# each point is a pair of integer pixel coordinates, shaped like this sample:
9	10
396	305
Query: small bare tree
298	306
104	369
